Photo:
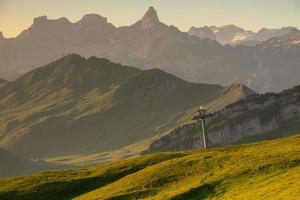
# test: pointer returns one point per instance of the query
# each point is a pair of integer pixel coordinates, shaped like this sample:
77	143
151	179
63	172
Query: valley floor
265	170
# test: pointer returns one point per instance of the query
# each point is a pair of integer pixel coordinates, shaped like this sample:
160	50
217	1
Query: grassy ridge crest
265	170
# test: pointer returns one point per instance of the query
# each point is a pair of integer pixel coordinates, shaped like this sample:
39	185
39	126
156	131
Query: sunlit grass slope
266	170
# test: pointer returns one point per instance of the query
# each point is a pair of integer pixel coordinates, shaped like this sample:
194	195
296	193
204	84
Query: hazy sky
17	15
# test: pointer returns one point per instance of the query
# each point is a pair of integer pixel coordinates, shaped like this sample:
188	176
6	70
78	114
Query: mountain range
80	111
150	43
76	105
118	105
231	34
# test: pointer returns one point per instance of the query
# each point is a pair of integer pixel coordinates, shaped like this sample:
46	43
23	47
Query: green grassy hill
265	170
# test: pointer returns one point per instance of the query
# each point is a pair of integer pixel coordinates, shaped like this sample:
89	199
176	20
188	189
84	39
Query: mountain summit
93	19
150	18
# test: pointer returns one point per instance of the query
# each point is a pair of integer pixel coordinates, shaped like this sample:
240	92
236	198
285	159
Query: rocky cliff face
254	118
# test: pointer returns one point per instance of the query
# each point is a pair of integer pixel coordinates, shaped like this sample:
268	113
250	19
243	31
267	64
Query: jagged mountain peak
232	27
237	87
289	39
156	74
150	18
44	20
202	32
151	15
72	57
149	83
41	19
42	26
93	19
77	73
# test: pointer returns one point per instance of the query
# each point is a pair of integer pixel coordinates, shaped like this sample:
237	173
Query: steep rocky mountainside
76	105
254	118
277	63
203	32
150	43
289	40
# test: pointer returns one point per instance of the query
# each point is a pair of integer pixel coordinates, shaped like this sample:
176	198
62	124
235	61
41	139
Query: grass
265	170
69	183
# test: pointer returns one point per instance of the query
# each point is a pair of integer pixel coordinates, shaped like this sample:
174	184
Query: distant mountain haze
150	43
231	34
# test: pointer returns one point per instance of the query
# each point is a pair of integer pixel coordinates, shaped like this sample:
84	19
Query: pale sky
17	15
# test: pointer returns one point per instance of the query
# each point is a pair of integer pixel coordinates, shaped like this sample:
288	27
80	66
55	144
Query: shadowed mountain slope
224	97
68	77
77	105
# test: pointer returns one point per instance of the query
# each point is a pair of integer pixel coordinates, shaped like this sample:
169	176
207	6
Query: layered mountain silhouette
150	43
76	105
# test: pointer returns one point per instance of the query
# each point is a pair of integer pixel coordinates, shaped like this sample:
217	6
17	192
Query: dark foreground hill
267	170
76	105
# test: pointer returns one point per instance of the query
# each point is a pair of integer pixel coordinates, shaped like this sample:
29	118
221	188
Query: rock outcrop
254	118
